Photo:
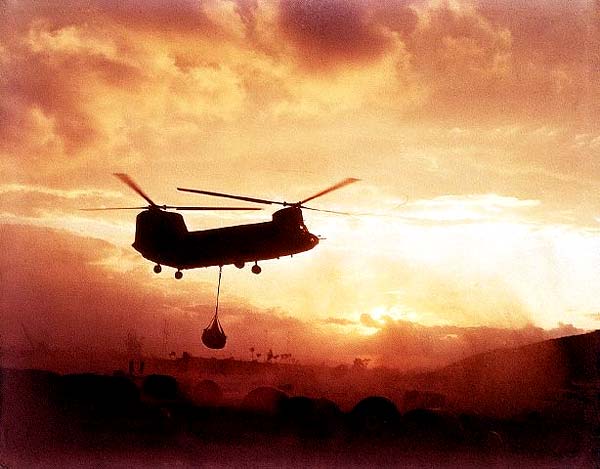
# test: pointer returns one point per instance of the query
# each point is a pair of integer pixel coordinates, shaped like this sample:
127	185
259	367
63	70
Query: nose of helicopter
314	240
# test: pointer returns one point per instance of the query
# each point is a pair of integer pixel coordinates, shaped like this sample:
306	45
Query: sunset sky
473	126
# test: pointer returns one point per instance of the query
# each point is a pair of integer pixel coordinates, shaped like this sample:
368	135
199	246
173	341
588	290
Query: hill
505	382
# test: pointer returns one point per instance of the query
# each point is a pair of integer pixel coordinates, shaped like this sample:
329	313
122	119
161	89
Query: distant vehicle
162	236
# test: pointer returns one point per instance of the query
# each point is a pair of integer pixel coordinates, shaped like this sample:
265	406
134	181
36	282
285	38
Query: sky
472	126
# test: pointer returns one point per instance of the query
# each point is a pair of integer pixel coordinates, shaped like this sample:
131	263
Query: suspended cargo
214	336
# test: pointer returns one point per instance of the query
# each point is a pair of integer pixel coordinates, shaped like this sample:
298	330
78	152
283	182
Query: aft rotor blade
133	185
230	196
326	211
335	187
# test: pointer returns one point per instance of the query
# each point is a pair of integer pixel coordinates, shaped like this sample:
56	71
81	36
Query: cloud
53	281
327	33
562	27
339	321
125	77
73	293
464	59
180	16
61	193
65	69
461	109
533	64
408	345
52	78
367	320
28	201
432	60
67	291
247	9
462	209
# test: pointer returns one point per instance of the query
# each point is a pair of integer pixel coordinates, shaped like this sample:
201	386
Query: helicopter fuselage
162	237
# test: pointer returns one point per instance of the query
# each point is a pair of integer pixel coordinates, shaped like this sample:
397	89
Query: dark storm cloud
334	32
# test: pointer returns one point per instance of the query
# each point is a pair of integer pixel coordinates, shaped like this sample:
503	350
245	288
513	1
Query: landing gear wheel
178	274
256	269
239	265
157	269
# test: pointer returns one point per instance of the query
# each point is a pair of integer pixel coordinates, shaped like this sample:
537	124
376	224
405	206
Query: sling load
214	336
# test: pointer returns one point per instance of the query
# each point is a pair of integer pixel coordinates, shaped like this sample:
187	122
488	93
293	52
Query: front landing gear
178	274
157	269
256	269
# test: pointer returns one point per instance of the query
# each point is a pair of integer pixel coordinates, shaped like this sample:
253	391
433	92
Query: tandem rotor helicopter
162	236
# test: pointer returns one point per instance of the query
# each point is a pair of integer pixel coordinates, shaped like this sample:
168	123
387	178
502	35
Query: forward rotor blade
113	208
133	185
335	187
169	207
230	196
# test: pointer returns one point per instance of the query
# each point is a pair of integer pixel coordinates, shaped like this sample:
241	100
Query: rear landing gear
178	274
239	265
256	269
157	269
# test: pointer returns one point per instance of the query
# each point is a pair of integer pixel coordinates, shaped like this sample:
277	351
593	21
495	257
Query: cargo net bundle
213	335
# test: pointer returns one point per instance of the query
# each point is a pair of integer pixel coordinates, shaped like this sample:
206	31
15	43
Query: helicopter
162	236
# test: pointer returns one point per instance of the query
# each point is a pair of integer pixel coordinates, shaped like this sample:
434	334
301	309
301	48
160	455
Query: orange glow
473	130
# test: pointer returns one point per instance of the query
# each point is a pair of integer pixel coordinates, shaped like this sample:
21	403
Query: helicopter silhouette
162	236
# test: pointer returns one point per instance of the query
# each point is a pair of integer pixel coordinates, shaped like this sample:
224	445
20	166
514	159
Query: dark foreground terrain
91	420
